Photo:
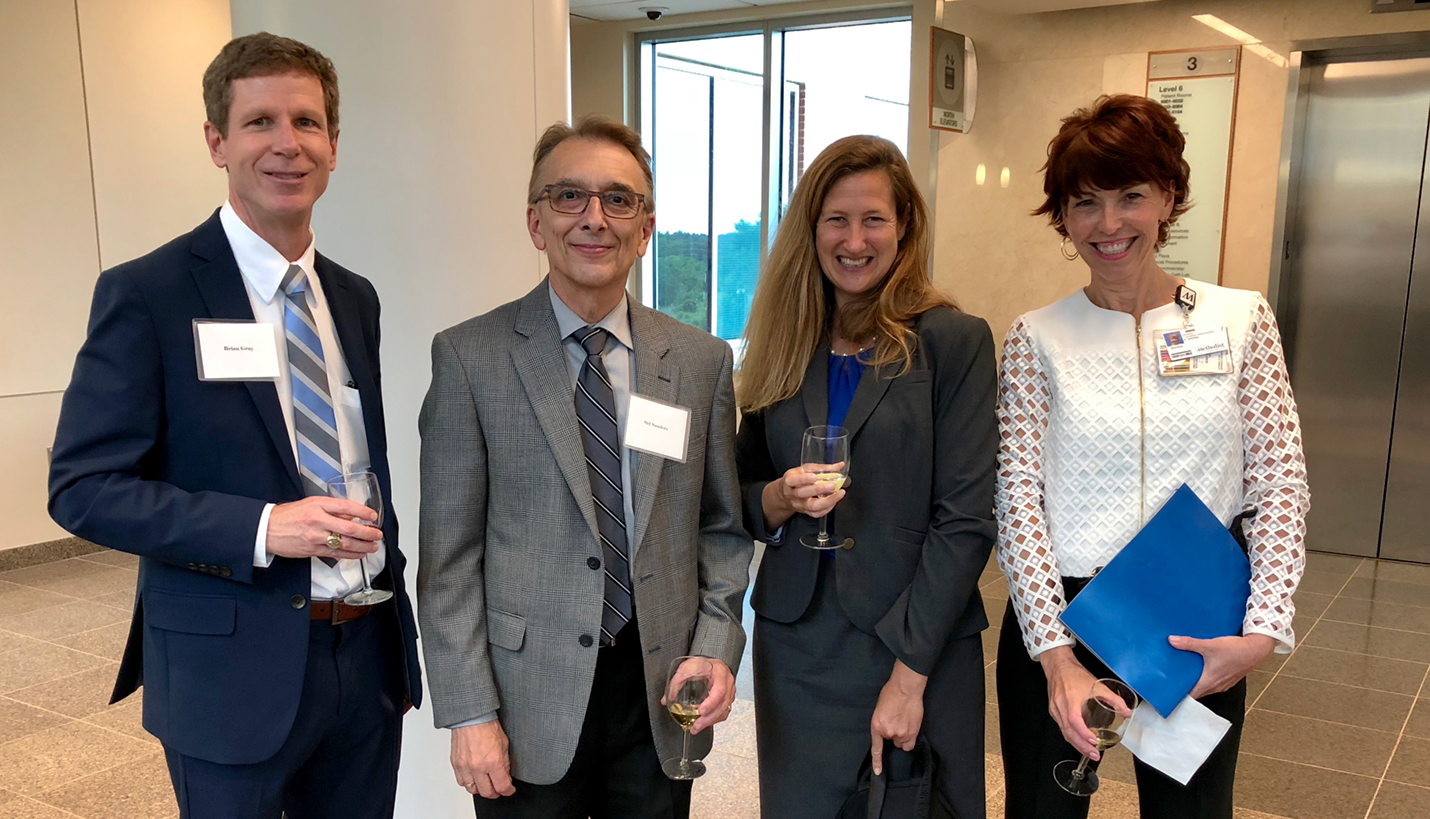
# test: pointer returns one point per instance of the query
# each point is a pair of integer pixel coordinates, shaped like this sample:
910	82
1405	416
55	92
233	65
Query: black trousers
1033	744
340	759
615	773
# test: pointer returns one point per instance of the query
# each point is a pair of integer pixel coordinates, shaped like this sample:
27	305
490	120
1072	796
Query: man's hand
1069	686
716	706
899	714
480	761
301	528
1228	659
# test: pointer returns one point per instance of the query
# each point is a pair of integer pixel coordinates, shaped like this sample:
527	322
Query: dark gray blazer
919	507
507	525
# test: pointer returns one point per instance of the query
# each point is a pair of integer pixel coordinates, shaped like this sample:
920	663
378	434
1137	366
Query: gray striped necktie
596	414
314	422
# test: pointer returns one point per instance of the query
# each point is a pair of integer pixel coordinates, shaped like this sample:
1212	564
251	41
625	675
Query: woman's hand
899	714
1069	686
798	491
1228	659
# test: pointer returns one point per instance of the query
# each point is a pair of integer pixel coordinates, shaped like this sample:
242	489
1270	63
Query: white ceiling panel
1040	6
631	9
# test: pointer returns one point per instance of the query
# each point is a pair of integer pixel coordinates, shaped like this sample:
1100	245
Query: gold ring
335	540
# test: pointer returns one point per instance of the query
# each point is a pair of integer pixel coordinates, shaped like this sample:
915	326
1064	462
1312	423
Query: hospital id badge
1212	364
1194	342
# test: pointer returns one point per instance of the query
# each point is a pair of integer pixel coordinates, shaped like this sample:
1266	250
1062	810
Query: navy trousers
340	759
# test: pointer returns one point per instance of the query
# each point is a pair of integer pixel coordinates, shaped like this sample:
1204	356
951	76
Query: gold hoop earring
1063	248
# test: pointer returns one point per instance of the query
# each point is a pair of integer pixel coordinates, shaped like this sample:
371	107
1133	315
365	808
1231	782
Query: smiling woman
1130	431
846	330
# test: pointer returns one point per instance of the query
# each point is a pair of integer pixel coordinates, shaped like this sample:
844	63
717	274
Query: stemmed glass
826	453
690	679
361	487
1107	710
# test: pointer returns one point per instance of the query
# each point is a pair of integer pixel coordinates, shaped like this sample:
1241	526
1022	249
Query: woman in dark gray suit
879	641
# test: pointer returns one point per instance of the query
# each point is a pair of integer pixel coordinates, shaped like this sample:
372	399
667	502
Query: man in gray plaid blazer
562	571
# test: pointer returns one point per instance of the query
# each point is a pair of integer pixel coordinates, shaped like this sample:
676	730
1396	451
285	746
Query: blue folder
1182	574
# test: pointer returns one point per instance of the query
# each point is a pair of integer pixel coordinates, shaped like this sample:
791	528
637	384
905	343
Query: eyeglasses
574	201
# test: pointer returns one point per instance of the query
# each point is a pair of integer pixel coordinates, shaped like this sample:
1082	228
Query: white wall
1035	69
109	86
442	102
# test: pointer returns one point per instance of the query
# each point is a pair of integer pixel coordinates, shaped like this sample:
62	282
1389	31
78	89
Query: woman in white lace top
1095	438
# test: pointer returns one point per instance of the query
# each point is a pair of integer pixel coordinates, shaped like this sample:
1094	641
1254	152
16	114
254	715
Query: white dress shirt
263	269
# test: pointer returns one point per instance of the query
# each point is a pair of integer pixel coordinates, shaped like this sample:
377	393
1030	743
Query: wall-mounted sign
1199	89
953	81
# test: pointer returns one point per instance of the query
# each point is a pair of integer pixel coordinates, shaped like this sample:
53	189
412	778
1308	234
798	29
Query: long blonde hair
794	302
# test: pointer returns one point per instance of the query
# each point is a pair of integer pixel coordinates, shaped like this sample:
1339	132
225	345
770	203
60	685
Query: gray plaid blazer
507	524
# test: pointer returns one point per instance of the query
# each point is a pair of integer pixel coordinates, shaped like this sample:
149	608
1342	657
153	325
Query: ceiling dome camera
654	12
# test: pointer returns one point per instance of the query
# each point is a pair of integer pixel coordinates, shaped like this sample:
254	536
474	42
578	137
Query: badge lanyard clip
1186	299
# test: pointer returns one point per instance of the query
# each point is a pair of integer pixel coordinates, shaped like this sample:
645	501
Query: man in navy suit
268	692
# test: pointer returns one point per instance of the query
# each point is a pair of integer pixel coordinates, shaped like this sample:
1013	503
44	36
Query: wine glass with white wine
361	487
1106	711
826	454
689	685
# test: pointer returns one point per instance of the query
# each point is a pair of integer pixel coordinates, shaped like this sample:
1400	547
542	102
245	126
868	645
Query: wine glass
1106	711
361	487
826	453
690	679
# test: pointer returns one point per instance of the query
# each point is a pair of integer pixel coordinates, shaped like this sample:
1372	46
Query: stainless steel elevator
1355	301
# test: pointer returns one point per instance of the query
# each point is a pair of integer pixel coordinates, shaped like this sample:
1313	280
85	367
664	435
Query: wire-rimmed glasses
573	201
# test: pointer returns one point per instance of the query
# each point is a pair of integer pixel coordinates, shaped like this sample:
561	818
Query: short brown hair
598	129
264	55
1121	141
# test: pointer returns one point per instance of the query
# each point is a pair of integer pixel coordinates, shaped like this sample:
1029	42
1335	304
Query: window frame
772	118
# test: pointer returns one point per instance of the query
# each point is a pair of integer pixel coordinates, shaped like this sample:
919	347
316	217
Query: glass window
728	148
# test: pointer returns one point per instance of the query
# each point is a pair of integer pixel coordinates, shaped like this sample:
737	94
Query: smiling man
580	523
226	378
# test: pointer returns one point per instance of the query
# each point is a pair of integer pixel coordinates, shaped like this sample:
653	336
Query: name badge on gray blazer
657	428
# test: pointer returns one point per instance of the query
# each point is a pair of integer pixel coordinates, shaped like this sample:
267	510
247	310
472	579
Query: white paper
236	351
1178	745
657	427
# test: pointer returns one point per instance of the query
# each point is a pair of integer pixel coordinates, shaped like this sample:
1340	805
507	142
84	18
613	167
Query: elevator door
1358	307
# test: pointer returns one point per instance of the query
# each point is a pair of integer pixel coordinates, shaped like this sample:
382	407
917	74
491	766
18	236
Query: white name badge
1193	342
657	428
236	350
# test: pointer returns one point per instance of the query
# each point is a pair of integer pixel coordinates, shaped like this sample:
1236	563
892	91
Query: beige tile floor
1340	729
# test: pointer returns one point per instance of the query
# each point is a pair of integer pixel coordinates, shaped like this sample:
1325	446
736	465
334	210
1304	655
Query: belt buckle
333	614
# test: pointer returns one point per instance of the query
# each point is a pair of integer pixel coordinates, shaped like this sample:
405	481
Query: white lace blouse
1093	440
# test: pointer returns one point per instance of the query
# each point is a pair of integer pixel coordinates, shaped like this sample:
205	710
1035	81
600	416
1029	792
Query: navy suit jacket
150	460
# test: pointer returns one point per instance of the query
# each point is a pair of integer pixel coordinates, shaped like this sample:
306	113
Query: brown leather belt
336	612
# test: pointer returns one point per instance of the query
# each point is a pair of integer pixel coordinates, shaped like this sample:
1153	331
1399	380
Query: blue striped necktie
596	414
314	423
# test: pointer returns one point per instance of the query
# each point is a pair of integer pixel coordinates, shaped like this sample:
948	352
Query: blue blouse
844	373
